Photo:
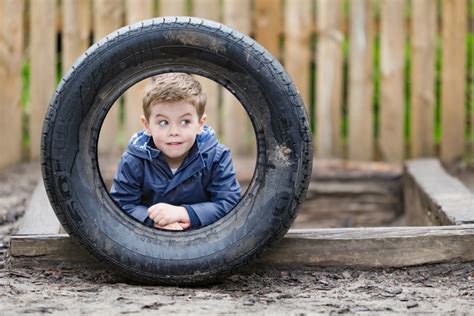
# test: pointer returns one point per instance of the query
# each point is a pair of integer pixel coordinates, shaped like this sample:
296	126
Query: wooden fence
381	79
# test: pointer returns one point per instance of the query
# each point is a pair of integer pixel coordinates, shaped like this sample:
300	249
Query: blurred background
382	80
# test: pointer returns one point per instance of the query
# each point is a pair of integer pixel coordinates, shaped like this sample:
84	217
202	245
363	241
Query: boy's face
174	127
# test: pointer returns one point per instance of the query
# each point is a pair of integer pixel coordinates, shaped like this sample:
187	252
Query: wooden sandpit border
431	198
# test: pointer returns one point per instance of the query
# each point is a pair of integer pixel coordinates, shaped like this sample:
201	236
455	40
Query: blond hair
173	87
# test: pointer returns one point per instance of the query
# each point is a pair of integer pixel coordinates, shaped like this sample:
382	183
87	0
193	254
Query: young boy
174	174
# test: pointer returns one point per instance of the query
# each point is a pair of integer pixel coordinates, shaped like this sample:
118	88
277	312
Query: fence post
210	9
299	26
453	79
11	58
172	7
237	130
392	71
267	24
43	66
76	28
423	45
108	16
361	131
136	10
329	78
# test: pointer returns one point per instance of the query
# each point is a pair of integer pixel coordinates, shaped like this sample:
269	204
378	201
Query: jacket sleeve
223	190
127	188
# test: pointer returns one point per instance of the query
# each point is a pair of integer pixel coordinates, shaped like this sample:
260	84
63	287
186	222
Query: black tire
101	75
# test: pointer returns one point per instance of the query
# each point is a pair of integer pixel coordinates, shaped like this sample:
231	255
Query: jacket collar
192	164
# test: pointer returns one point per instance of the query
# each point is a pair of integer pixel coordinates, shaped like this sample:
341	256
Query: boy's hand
163	214
174	226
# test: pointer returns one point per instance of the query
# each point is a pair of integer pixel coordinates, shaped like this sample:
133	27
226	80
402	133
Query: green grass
25	104
376	78
407	92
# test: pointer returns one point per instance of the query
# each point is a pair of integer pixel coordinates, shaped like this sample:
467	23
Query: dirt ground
440	288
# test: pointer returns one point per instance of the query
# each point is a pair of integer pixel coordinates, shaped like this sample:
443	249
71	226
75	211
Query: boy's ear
145	124
202	120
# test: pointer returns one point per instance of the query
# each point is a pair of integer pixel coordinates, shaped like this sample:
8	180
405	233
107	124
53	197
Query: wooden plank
56	250
373	247
298	28
335	203
11	56
135	11
76	30
210	9
43	67
361	143
350	247
423	47
172	7
267	21
355	170
416	210
453	72
392	69
238	132
443	198
329	78
108	16
39	216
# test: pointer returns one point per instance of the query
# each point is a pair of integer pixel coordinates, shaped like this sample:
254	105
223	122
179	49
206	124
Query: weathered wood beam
433	196
39	218
351	247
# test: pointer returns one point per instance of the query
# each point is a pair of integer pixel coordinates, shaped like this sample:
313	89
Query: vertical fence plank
298	30
210	9
423	45
360	88
267	24
329	78
172	7
108	16
76	28
11	57
392	67
43	66
453	78
135	10
237	130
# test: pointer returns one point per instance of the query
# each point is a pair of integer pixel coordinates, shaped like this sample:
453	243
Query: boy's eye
163	122
185	122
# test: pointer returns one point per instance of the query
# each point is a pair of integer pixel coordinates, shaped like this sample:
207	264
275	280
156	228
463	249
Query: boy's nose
173	131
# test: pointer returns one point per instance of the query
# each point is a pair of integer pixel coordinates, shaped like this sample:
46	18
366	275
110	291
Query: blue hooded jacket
205	182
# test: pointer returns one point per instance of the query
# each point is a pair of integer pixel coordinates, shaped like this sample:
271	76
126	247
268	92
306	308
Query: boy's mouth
173	144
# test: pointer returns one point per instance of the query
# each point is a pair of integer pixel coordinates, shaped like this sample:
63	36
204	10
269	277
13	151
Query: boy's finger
151	215
163	221
151	209
173	226
156	207
155	214
185	225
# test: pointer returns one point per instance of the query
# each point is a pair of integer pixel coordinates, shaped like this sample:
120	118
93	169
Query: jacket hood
142	146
